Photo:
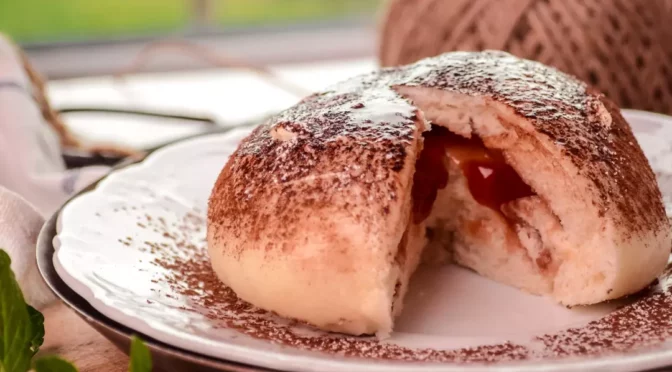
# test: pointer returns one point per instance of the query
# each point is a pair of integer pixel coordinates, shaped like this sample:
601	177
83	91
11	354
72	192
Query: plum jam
492	182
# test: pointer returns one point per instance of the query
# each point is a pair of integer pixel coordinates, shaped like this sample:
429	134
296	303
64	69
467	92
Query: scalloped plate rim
273	359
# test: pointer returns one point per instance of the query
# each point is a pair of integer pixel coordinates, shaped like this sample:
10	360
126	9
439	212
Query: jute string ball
622	47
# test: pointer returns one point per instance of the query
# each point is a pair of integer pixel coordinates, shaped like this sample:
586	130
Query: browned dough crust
364	121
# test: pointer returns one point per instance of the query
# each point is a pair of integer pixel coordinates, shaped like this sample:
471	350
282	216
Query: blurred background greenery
45	21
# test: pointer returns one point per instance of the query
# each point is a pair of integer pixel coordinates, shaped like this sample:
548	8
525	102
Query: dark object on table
75	155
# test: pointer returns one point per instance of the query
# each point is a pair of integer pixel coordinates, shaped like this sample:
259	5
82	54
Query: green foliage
48	20
53	364
141	359
22	332
21	326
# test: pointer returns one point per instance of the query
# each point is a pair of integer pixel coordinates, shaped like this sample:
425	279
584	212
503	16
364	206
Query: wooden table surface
69	337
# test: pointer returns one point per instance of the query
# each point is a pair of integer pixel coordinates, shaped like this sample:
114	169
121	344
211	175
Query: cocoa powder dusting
644	323
353	141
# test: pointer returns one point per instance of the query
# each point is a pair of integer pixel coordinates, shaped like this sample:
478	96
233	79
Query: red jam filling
492	182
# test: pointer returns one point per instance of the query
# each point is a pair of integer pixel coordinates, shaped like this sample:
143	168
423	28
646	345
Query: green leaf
53	364
37	322
21	329
141	359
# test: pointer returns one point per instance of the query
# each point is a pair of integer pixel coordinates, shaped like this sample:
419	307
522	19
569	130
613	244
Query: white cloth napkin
33	177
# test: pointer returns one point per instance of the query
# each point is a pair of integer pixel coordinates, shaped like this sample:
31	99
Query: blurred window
48	21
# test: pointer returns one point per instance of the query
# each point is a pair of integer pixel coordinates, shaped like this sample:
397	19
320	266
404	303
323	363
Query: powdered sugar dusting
321	138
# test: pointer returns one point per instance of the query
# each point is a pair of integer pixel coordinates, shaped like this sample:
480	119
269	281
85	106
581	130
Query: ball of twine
622	47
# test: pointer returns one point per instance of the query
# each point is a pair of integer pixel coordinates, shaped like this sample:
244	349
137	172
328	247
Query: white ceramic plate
134	248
